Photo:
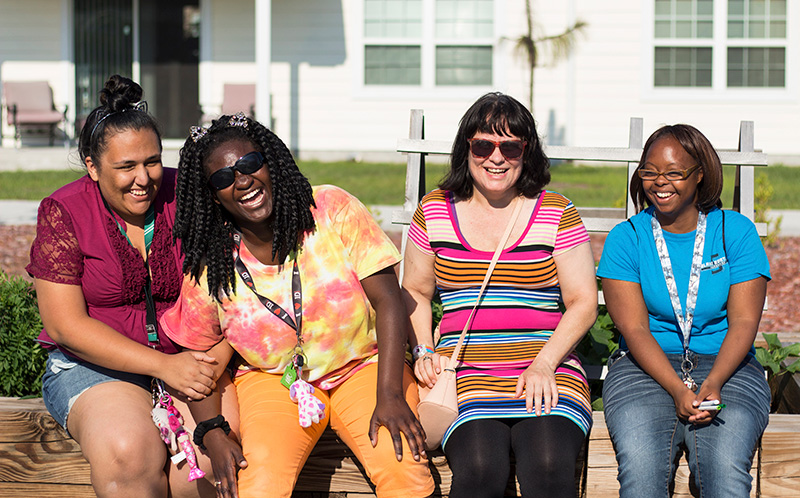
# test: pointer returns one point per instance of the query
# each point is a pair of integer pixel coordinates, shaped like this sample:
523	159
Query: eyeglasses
246	165
674	175
511	149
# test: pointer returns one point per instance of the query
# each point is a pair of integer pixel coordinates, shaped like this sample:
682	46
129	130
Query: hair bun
120	93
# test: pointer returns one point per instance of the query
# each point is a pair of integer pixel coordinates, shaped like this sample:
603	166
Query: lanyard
684	321
151	327
297	293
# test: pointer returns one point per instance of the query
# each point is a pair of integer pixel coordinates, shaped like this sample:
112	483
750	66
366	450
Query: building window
683	66
453	47
756	18
756	66
684	18
686	46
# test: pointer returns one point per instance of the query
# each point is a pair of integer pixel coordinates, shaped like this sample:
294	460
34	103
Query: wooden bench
38	459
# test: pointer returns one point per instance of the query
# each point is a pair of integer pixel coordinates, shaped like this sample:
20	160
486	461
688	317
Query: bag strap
500	246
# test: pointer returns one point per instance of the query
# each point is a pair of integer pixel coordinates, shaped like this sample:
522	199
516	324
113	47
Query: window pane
705	7
392	18
663	29
777	7
758	7
663	7
392	65
683	29
683	7
705	29
735	56
661	77
703	77
757	29
683	66
735	7
777	78
735	78
464	19
735	29
756	67
777	29
456	65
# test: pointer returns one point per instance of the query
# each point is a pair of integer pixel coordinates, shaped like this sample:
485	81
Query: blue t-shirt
632	256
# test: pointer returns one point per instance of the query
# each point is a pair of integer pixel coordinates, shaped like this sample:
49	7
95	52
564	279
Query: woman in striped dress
520	387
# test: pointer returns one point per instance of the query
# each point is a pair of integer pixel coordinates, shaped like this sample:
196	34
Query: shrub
21	358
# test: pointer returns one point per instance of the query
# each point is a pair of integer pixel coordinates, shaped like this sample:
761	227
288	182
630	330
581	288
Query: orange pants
276	447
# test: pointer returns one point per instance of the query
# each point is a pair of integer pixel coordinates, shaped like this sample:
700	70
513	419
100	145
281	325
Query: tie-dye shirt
338	324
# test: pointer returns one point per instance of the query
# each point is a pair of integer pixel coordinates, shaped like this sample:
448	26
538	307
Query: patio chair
236	97
239	97
30	104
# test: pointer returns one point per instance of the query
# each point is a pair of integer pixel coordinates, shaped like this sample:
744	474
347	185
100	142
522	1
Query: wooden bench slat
15	489
571	153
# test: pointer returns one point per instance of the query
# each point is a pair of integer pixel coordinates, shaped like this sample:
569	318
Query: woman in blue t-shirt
685	284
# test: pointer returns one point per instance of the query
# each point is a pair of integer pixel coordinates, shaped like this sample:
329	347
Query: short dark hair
118	96
700	149
501	114
206	229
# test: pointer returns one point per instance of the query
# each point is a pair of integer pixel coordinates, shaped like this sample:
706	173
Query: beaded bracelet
206	425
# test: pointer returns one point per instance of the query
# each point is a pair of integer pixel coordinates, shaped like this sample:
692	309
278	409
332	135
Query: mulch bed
783	314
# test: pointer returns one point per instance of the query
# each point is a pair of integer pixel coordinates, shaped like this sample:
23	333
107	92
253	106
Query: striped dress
518	313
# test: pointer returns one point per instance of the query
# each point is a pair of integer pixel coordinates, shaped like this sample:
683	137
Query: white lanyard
684	321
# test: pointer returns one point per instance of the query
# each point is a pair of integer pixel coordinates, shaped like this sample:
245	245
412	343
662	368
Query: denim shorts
66	378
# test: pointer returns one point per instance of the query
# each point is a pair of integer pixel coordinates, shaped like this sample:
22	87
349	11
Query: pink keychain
170	424
310	409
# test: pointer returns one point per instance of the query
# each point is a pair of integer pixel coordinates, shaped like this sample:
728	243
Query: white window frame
719	90
427	89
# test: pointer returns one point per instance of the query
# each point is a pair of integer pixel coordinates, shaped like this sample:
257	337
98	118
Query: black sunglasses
246	165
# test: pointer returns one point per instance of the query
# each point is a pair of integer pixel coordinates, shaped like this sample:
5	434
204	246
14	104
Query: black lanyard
297	292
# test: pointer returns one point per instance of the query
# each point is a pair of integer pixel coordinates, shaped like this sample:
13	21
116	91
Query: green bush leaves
21	358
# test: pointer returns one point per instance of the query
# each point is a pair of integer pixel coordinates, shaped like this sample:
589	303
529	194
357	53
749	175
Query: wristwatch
420	350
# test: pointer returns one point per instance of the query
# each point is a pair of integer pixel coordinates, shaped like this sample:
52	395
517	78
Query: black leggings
545	448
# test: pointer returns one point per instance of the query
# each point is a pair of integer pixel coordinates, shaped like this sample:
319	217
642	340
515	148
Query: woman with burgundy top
105	268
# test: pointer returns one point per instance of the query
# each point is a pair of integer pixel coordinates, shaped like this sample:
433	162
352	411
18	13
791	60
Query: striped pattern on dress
518	313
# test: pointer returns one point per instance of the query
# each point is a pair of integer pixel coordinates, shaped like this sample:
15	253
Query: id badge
289	376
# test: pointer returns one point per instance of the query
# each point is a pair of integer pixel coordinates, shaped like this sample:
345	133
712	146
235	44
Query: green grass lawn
373	183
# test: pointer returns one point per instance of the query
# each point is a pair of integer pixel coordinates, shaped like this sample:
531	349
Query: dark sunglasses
246	165
511	149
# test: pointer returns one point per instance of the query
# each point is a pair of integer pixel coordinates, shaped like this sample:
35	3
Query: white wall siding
32	35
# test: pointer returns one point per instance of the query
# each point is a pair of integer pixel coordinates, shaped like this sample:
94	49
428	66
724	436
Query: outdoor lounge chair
236	97
30	104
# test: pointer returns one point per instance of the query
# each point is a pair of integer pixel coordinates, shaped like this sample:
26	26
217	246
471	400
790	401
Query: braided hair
118	96
206	228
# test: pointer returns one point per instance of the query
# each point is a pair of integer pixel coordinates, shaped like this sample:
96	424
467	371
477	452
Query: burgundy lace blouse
78	243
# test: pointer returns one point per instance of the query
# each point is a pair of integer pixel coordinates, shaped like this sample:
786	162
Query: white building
343	74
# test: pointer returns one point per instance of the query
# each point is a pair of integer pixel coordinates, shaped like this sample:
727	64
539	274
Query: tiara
138	106
238	119
196	133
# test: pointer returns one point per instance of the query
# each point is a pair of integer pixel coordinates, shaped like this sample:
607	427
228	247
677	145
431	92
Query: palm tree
558	47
